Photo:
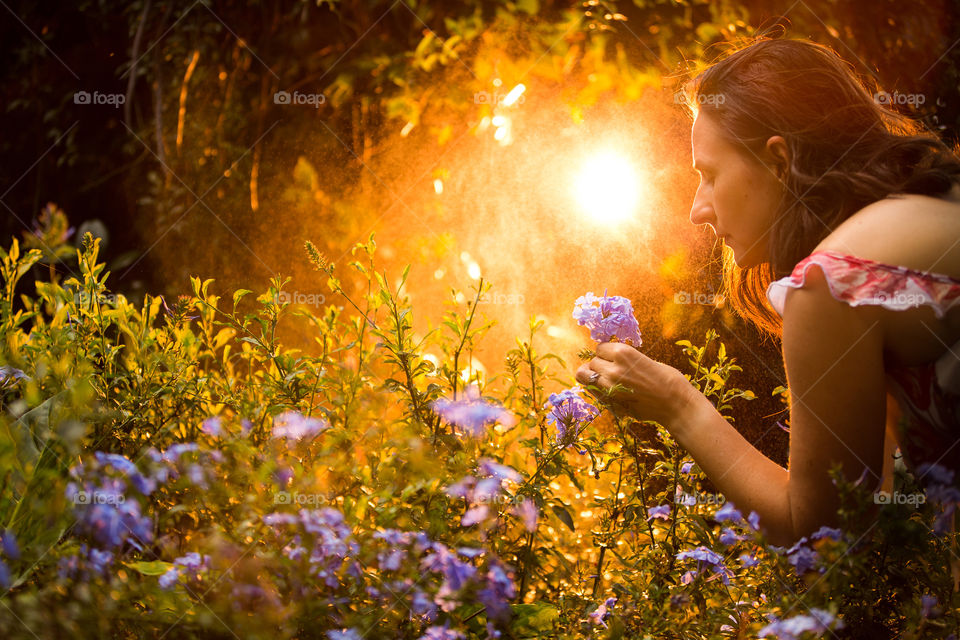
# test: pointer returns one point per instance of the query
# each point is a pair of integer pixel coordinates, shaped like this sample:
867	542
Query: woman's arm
834	362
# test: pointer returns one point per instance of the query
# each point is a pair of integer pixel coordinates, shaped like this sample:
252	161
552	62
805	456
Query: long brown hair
846	150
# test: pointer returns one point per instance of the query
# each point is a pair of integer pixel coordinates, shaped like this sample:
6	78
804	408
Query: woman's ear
778	156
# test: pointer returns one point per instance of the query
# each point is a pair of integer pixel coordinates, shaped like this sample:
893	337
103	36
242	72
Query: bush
171	469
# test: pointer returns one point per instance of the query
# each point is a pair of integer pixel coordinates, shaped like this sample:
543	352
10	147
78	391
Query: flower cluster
486	488
295	426
706	559
940	490
608	318
103	512
472	413
602	613
817	622
569	413
320	536
185	569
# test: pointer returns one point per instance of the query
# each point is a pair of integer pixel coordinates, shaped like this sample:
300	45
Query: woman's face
738	194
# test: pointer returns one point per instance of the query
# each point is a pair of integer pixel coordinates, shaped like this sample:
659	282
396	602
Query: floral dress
928	394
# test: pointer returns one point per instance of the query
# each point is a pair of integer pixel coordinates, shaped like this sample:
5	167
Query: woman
842	217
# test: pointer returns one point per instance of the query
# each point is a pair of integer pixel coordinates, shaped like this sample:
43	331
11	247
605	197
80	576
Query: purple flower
818	621
441	633
472	413
346	634
608	317
5	580
527	511
9	544
662	512
497	591
748	560
754	521
728	513
827	532
701	554
295	426
188	566
729	537
568	413
602	613
489	467
705	558
10	375
686	468
802	557
475	515
935	473
928	604
213	427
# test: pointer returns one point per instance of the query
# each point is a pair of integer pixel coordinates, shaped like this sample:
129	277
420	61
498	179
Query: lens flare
606	187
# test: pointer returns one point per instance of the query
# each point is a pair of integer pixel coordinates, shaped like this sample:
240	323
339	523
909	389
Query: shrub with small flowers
173	470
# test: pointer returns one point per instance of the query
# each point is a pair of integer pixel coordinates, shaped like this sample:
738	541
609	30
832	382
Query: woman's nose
702	211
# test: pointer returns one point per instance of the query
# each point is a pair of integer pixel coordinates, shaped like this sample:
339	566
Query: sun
606	187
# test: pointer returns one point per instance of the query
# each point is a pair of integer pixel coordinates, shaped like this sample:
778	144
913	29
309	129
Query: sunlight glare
606	187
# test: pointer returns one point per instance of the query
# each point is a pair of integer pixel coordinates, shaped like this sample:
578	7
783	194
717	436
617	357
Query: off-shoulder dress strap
859	281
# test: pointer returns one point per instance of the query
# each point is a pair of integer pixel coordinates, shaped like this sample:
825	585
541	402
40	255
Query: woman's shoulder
908	230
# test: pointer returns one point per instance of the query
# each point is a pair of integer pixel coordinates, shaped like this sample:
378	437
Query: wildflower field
171	470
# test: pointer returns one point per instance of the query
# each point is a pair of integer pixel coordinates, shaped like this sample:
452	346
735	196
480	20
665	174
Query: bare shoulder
914	231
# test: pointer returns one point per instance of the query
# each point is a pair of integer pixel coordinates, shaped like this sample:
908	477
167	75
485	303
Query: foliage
172	469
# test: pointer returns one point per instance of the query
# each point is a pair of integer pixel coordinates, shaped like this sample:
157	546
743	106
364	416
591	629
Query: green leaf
153	568
530	620
564	515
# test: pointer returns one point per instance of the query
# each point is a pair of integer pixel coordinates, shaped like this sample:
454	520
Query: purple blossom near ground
104	512
728	513
569	413
608	318
472	413
662	511
705	558
528	513
817	621
186	567
295	426
213	427
602	613
9	376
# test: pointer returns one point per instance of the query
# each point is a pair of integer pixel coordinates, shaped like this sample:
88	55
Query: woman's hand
654	391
